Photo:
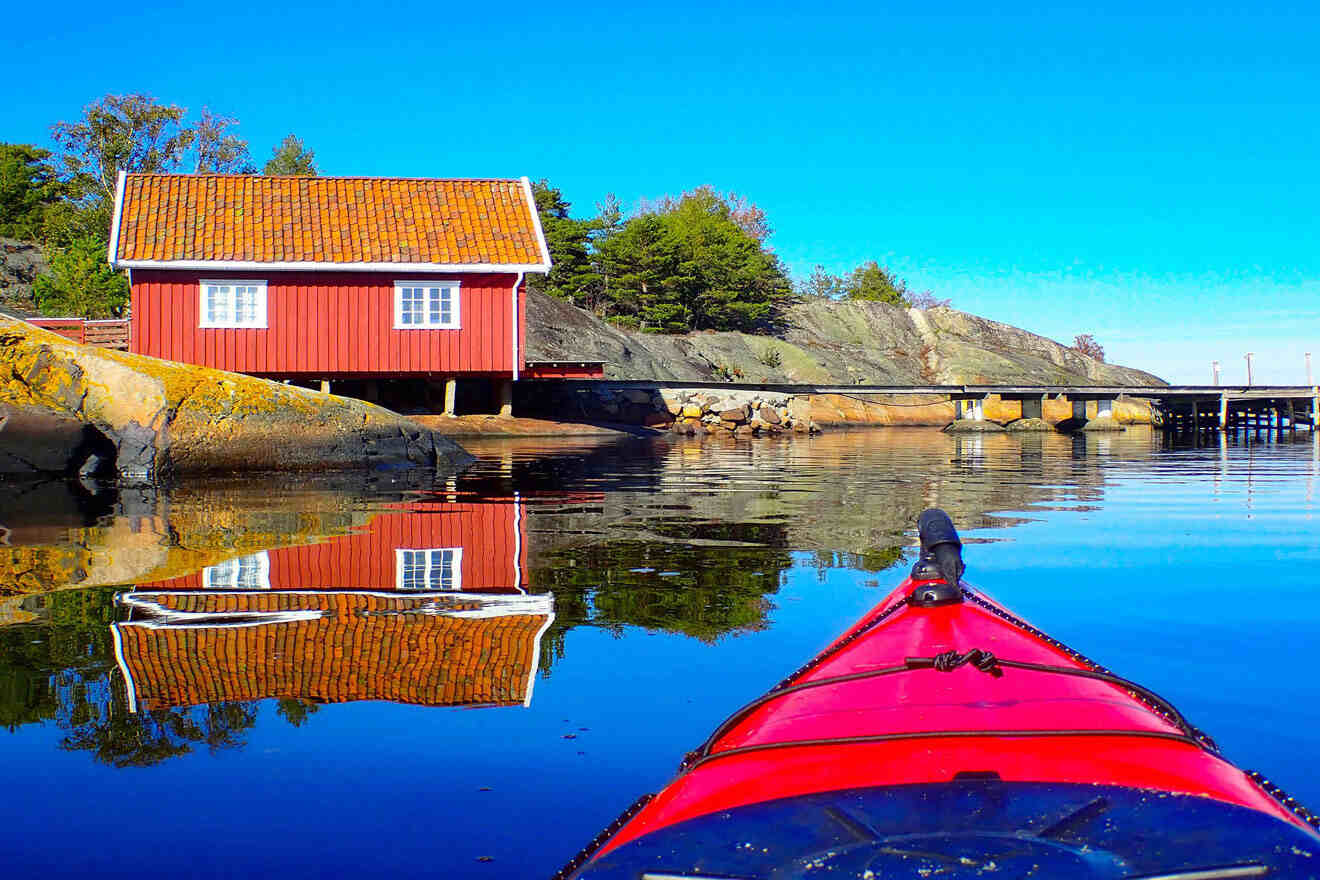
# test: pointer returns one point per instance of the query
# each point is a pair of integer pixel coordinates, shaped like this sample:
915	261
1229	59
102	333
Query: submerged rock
65	404
1104	424
974	426
1030	425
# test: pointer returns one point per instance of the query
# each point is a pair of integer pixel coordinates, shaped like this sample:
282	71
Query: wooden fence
112	333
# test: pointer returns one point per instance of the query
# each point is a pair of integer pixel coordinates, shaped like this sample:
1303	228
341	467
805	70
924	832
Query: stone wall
694	412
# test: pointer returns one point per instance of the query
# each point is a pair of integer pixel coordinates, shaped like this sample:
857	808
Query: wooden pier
1180	409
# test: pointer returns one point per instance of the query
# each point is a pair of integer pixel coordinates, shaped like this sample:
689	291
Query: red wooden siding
492	535
326	325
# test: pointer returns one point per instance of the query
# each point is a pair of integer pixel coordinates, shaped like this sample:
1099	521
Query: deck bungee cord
948	661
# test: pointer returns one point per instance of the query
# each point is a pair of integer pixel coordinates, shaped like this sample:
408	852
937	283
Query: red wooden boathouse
331	278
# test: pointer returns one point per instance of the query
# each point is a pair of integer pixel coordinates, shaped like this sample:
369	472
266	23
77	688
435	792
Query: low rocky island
69	408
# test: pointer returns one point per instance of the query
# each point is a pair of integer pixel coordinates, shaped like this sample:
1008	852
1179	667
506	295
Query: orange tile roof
331	221
363	646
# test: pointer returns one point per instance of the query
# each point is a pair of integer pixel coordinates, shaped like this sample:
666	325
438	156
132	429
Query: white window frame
455	296
226	575
455	584
203	321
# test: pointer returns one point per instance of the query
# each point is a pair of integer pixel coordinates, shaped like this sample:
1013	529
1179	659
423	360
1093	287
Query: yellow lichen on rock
161	416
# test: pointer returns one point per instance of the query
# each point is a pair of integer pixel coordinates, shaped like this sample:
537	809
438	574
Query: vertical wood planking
366	560
329	324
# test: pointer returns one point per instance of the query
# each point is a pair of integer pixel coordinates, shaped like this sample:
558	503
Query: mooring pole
1214	371
1249	354
1309	380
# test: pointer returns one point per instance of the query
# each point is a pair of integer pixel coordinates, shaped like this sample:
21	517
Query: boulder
974	426
1104	424
154	418
736	414
1029	426
768	415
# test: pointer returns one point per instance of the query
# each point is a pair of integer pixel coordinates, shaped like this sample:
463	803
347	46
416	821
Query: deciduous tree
122	133
217	149
1086	344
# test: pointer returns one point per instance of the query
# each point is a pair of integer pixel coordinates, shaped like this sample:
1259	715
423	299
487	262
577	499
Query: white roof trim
536	656
247	265
130	687
113	248
536	222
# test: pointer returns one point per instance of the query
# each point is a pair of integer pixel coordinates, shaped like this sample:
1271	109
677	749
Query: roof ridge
190	175
204	221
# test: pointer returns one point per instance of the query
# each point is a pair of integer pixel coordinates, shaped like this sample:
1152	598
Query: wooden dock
1182	409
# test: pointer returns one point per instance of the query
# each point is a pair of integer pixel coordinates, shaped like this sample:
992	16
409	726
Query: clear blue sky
1147	174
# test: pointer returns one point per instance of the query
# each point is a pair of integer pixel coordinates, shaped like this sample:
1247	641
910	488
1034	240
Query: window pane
217	301
249	573
221	575
245	309
412	572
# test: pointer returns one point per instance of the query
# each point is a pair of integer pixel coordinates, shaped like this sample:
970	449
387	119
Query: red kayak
943	736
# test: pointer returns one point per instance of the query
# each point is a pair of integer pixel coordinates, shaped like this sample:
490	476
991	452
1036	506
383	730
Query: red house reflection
425	605
434	545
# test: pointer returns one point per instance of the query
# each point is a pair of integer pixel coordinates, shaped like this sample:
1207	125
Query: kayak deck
881	707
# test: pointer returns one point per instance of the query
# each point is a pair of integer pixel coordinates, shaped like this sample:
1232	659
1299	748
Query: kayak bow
943	736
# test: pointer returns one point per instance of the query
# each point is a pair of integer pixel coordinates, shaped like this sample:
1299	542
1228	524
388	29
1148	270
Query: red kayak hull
928	726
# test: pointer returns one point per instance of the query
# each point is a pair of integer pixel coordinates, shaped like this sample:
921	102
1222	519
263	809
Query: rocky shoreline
745	414
75	409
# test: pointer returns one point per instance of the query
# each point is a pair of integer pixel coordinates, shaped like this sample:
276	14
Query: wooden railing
112	333
107	334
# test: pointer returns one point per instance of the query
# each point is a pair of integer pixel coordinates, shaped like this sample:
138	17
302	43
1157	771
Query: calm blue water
687	579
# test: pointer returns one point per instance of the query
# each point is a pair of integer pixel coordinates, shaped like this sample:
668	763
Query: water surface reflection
605	603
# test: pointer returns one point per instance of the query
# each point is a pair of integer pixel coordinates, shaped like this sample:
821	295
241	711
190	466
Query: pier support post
971	409
506	397
1033	407
1079	410
1223	412
325	386
451	392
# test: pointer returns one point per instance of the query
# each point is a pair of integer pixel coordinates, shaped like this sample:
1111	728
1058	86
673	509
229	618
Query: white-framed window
231	303
426	305
244	573
433	569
